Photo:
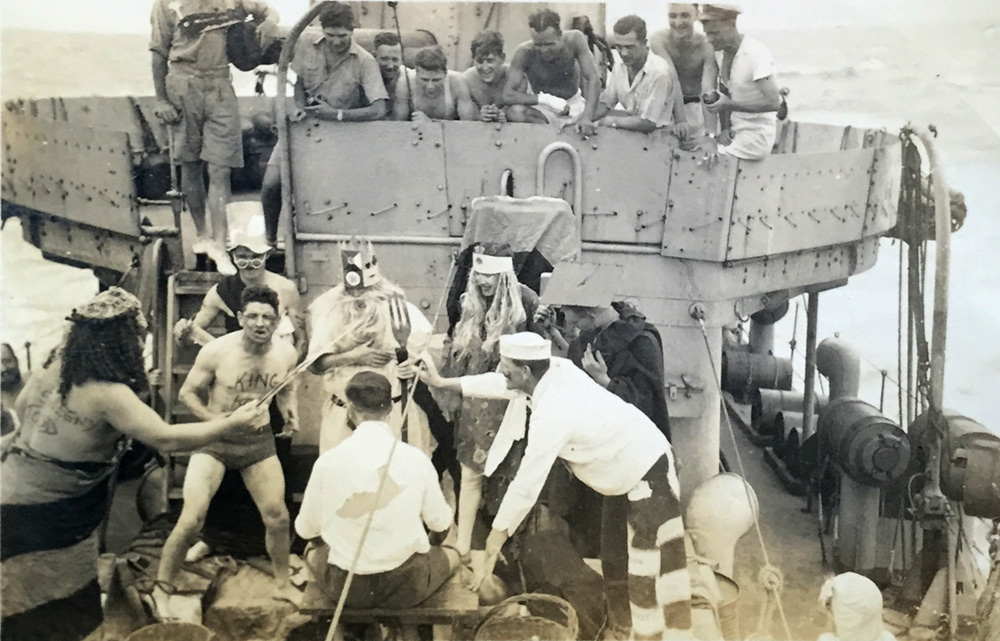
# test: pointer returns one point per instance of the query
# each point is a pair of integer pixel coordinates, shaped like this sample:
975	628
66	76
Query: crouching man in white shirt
398	567
608	444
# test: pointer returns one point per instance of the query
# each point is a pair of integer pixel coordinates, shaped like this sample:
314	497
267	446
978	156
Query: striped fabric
659	586
50	513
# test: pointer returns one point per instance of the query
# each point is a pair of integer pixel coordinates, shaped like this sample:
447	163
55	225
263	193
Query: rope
381	485
368	524
770	575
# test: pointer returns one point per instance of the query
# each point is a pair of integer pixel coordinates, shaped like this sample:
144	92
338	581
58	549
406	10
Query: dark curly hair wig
105	350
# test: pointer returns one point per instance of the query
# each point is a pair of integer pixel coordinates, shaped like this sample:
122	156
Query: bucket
530	617
728	611
173	631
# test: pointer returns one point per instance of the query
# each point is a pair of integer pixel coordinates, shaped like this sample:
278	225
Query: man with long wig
494	304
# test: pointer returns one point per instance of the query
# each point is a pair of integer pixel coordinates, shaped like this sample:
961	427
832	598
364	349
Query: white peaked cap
525	346
486	264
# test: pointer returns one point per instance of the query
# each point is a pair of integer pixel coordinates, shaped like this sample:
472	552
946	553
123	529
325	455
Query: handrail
285	156
574	155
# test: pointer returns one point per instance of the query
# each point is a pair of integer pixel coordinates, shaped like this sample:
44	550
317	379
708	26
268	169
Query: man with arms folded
438	93
643	83
337	80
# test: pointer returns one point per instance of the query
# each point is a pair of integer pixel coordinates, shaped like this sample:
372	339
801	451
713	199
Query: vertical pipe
284	144
761	337
942	247
857	530
809	399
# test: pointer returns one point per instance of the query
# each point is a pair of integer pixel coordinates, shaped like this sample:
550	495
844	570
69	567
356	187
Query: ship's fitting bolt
697	311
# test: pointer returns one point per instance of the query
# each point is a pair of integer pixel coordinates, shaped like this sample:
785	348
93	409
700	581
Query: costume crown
360	265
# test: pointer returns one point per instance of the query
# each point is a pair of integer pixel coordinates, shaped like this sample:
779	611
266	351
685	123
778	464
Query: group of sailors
714	90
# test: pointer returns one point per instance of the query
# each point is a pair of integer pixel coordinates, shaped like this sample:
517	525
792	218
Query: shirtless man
229	372
693	58
438	93
748	97
556	64
487	76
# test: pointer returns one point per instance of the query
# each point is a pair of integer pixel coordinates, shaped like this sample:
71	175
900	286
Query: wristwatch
614	124
340	115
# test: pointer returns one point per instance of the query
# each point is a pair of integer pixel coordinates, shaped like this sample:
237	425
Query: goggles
253	263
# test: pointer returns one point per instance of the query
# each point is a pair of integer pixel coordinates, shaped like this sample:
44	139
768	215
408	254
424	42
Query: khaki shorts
210	127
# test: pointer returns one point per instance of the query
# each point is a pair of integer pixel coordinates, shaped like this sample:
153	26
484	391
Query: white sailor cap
727	11
486	264
525	346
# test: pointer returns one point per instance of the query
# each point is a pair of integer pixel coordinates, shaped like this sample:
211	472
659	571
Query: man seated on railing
488	75
437	92
556	64
643	83
337	80
747	101
398	567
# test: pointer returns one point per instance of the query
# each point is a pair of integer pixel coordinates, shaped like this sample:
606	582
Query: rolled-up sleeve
162	24
371	81
489	385
308	523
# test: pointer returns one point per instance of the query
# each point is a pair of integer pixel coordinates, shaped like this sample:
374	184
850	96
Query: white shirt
608	444
341	489
752	62
650	95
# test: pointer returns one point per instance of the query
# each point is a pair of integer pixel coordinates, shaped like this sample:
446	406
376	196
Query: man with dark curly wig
78	413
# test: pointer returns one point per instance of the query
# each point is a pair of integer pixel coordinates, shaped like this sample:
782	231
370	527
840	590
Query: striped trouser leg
659	585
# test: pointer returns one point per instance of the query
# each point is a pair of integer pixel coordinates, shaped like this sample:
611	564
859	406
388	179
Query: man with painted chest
232	370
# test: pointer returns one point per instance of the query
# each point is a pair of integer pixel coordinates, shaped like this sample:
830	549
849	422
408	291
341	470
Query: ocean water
869	74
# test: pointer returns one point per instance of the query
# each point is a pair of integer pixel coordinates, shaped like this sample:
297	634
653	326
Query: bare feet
288	592
158	601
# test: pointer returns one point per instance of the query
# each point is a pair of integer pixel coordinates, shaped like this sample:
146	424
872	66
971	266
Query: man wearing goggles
248	250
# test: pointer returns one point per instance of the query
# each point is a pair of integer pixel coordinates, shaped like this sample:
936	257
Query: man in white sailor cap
748	97
608	444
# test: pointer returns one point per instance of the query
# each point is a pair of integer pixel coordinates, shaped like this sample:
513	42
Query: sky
132	16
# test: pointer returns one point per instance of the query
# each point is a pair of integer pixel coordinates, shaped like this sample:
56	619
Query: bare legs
213	232
266	485
468	506
204	474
